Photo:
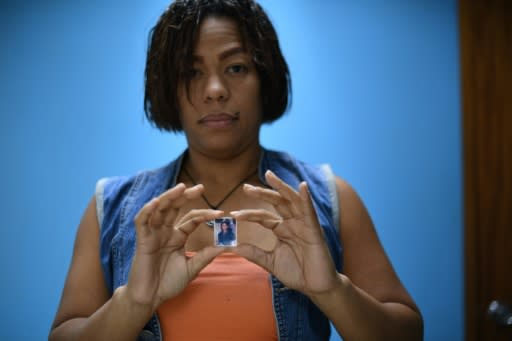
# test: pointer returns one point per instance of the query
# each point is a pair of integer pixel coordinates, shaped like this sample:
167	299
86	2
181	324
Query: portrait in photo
224	231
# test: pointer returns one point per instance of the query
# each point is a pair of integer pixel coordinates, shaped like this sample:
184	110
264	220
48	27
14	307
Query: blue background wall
376	94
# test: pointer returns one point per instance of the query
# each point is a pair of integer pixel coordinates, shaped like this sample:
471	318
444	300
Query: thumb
201	259
256	255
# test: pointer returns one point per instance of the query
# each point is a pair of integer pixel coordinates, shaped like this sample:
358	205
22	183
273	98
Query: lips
219	120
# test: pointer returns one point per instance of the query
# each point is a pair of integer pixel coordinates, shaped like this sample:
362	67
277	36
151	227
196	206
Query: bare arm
86	311
370	302
367	302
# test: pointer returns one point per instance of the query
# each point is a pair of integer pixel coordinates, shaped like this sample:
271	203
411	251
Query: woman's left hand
300	259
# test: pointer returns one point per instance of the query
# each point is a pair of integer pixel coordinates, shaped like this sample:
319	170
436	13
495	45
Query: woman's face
222	114
224	227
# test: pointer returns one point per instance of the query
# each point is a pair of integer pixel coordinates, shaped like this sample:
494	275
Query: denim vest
118	200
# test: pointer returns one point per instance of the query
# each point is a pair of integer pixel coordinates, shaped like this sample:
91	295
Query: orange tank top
231	299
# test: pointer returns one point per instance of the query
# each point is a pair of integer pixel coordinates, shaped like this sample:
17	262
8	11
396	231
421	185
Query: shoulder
121	185
345	189
116	193
350	203
348	195
283	162
114	184
355	222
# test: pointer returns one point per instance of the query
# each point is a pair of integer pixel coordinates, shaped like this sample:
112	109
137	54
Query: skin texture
277	228
224	84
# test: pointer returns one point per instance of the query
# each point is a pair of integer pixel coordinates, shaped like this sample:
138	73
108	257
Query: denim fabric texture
118	200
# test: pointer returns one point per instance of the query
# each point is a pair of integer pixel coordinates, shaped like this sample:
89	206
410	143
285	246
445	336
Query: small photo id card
225	232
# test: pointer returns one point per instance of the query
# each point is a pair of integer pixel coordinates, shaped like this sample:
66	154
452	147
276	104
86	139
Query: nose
216	89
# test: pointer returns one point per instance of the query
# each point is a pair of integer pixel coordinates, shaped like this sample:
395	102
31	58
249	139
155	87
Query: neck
209	170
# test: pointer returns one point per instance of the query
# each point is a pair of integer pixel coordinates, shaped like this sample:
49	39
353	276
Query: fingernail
234	212
269	172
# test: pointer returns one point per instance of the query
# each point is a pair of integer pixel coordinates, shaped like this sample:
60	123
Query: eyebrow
226	54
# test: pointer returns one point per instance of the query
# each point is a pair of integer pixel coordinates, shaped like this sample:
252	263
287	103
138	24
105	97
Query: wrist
339	289
131	303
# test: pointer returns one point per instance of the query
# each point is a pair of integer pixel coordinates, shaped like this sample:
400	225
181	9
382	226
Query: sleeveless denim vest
118	199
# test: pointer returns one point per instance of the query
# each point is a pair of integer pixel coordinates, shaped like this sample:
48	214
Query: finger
189	222
309	208
178	195
194	192
271	196
165	201
142	218
279	185
307	202
171	195
255	255
157	217
285	190
201	259
265	218
170	210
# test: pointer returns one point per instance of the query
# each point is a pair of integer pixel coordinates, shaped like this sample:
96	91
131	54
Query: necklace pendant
211	223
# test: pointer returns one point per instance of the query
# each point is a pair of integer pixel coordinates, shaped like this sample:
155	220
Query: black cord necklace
210	205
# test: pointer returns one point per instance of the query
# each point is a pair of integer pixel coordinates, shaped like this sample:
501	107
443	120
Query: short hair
171	46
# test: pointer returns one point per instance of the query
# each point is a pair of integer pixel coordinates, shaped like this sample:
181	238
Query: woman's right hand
160	269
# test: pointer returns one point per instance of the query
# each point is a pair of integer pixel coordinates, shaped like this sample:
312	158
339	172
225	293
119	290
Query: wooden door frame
486	74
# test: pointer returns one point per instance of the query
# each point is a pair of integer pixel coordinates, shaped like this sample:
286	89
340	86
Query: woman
226	235
144	266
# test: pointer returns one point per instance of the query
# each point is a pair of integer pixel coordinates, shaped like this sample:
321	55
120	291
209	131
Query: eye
237	69
193	73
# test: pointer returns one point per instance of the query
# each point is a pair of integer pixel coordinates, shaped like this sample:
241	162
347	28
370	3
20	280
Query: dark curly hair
171	46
